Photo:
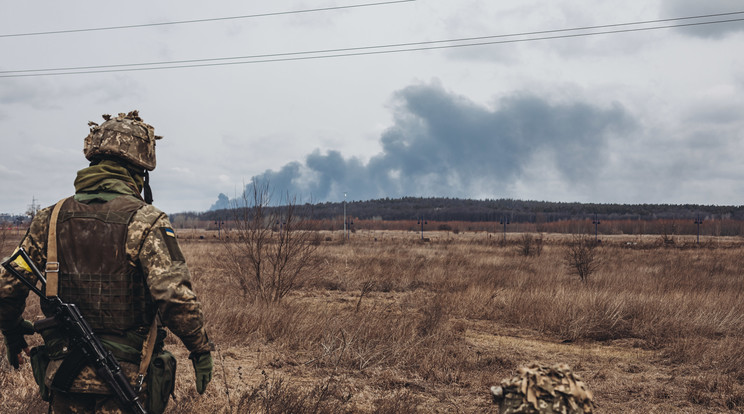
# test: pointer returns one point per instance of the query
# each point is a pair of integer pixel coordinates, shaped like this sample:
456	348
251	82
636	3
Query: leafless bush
667	233
271	250
530	245
581	256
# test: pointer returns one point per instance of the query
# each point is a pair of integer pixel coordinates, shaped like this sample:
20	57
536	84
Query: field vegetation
390	323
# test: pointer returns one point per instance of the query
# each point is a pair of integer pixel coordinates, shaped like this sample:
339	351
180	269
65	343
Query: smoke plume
443	144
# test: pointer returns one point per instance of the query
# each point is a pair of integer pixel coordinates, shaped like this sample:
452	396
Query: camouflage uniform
544	390
151	250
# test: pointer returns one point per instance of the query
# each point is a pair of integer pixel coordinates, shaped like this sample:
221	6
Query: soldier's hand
202	369
15	343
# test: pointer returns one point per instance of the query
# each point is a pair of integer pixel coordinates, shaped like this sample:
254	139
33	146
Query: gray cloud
28	92
444	144
680	8
41	93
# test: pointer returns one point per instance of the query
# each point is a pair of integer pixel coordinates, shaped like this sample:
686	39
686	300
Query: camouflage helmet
539	389
125	137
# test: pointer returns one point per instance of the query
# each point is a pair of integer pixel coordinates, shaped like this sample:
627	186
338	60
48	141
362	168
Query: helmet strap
148	190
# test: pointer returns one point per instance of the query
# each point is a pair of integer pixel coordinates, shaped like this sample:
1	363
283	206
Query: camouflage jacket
163	265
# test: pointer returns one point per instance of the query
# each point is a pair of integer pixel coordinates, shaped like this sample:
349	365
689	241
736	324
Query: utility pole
18	222
219	224
349	226
698	221
504	221
596	224
421	221
33	208
344	215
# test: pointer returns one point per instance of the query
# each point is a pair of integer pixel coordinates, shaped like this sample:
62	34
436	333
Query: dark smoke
443	144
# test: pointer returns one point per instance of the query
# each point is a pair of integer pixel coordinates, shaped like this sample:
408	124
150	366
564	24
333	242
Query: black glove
15	343
202	369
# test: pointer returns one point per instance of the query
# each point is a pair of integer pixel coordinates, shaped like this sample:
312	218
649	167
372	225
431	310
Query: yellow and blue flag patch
169	236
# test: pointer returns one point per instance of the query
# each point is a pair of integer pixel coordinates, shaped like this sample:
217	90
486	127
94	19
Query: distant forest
515	211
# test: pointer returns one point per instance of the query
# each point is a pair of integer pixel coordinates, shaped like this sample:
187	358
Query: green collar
106	181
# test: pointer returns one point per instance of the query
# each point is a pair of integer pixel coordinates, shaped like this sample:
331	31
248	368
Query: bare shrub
271	250
444	227
668	230
581	256
530	245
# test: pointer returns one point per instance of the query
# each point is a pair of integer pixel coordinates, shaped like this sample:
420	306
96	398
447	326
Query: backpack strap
51	272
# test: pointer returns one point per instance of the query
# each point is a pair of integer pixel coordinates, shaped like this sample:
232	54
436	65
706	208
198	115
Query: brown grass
396	325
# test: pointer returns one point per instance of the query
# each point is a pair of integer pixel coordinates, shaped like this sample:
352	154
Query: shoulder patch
169	236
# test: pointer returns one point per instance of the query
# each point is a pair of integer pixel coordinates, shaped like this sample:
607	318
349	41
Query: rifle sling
52	265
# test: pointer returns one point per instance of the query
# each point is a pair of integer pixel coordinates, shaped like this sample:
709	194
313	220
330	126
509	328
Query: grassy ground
393	324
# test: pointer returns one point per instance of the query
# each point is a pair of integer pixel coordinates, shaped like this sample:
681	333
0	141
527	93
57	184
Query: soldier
114	255
543	390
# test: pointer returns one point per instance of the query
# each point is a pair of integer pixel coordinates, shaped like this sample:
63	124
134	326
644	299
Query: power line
335	53
395	45
215	19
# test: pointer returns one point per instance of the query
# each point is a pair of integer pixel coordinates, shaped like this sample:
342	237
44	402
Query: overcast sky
650	116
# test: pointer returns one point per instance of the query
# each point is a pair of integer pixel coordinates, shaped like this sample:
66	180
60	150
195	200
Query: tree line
444	209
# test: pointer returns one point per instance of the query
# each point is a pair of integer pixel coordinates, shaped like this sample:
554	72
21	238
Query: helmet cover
126	137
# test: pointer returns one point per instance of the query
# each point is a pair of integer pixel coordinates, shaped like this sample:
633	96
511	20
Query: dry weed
396	325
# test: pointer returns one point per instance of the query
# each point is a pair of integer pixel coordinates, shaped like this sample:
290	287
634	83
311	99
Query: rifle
67	316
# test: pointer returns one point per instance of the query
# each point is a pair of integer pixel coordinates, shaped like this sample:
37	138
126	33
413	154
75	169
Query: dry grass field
394	324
